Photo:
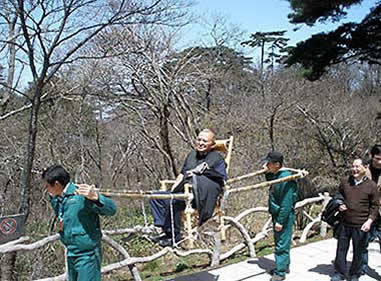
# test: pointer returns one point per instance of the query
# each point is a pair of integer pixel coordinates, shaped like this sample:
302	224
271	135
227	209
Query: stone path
312	262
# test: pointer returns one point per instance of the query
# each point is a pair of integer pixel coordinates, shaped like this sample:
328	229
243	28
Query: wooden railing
214	252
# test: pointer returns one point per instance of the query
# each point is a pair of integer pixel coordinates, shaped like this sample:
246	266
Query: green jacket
282	197
81	232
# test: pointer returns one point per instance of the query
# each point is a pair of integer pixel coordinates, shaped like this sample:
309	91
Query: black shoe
367	270
354	278
168	242
338	277
272	271
364	270
156	238
277	278
371	273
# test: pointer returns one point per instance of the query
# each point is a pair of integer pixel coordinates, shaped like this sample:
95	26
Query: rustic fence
213	251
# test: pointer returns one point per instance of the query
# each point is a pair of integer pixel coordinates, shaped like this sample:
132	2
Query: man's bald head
205	141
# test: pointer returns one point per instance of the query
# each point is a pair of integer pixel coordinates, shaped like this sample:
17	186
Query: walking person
375	231
282	199
360	209
78	208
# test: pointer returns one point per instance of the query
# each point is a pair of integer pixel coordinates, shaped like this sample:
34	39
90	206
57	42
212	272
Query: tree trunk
262	56
208	94
11	65
164	136
30	152
8	272
272	126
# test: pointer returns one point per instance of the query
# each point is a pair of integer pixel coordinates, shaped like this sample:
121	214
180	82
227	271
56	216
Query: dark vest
193	159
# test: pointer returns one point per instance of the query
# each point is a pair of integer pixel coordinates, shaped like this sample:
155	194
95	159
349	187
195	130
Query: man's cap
273	157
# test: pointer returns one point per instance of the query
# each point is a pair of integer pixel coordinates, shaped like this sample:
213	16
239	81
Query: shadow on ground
328	269
263	263
204	276
324	269
373	274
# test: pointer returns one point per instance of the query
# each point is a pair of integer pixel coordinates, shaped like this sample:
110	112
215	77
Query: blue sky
270	15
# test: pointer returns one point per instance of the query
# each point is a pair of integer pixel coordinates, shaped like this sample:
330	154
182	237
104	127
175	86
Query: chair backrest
226	147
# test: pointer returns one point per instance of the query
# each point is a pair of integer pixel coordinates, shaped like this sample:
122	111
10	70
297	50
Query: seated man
205	169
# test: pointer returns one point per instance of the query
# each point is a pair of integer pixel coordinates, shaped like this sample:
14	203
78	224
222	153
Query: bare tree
157	91
50	35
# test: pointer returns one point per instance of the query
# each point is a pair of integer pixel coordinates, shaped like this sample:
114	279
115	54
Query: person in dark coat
375	164
375	231
360	210
205	169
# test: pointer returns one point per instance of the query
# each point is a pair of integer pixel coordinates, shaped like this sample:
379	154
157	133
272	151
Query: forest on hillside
114	100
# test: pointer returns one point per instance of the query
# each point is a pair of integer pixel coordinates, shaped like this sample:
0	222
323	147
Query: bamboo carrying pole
188	196
257	173
228	190
136	194
299	174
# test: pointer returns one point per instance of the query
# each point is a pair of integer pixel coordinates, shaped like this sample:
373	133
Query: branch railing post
215	255
324	225
188	216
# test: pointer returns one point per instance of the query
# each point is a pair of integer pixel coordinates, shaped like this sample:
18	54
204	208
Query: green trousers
85	268
282	246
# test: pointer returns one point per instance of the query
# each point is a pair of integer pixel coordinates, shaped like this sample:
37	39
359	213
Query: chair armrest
165	184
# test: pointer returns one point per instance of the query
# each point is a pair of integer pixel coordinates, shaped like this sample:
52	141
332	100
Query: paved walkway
312	262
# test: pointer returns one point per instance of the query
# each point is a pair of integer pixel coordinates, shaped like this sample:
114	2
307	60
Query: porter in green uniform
282	199
78	208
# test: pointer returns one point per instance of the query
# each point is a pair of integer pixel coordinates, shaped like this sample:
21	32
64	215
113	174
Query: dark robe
207	185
